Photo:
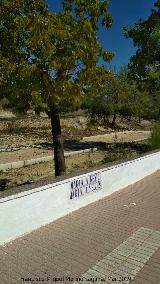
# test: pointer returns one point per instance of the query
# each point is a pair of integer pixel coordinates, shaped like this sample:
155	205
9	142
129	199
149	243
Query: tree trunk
159	113
59	159
37	111
139	117
114	120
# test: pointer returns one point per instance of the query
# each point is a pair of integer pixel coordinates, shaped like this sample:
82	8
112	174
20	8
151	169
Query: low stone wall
23	212
23	163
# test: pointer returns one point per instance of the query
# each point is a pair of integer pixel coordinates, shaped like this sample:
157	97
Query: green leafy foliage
145	63
123	96
145	35
64	46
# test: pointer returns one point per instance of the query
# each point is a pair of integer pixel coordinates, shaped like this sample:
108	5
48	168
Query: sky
125	13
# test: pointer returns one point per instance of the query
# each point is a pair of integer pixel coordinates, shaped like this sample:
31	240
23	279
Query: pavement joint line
131	264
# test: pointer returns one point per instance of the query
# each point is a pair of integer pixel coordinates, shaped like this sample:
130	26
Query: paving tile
104	271
143	279
129	269
95	273
105	266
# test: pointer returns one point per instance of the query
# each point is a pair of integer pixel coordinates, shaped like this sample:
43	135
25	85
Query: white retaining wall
23	212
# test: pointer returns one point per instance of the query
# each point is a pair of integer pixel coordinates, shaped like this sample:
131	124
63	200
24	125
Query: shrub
155	136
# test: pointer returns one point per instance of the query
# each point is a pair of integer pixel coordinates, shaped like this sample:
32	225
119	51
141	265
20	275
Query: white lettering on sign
85	185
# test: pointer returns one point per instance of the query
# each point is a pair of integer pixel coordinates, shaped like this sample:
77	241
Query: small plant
75	166
155	136
109	157
10	126
89	162
117	154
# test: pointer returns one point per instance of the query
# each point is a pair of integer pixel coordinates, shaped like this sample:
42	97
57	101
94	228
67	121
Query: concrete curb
23	163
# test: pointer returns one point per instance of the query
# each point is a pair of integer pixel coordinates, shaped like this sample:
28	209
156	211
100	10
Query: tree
124	96
136	101
53	57
99	108
145	63
111	102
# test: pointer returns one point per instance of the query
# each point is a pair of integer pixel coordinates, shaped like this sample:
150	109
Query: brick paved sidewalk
113	240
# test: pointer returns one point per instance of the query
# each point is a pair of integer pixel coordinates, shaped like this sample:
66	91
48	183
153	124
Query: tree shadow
73	145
